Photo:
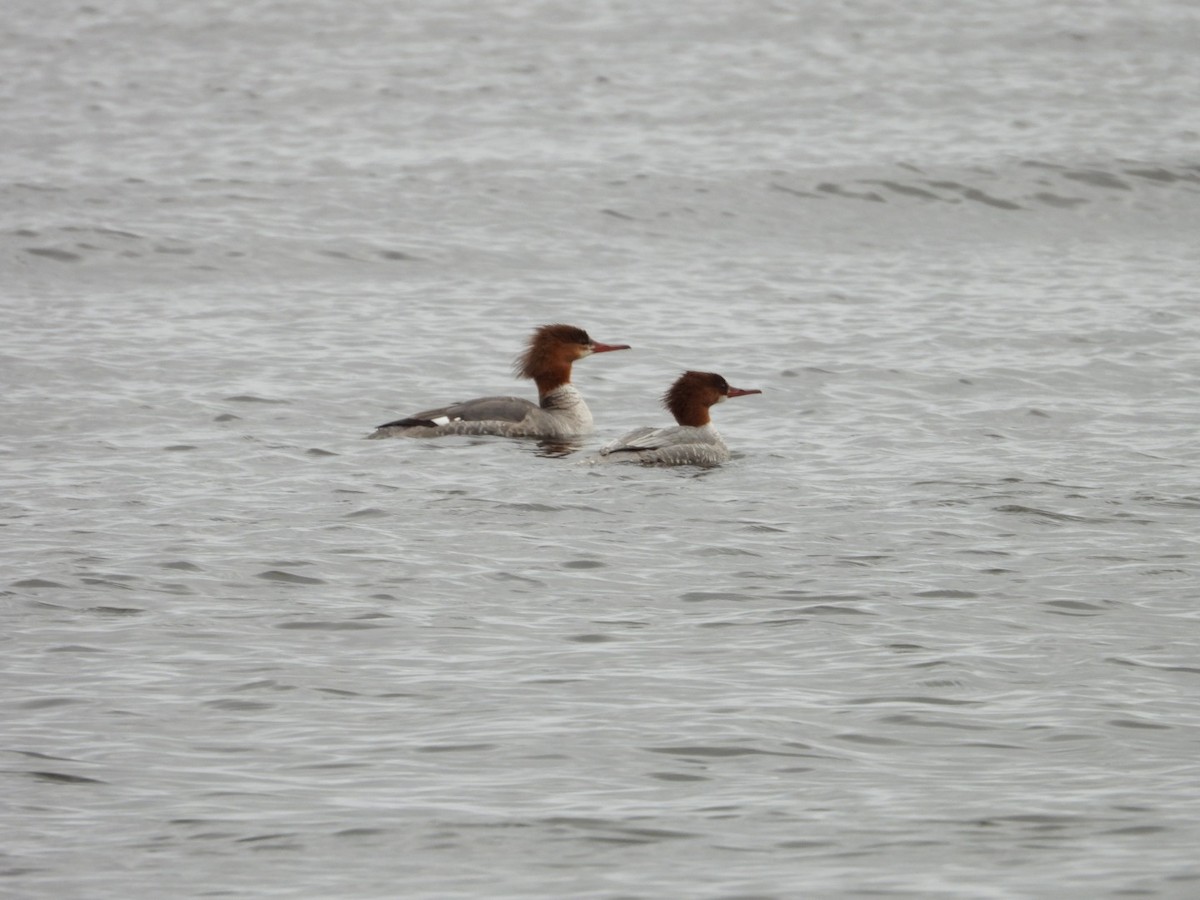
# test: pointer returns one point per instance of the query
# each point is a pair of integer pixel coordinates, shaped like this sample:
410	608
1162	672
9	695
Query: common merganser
560	412
694	441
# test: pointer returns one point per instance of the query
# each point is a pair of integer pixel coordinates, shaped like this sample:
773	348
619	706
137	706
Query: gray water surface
931	633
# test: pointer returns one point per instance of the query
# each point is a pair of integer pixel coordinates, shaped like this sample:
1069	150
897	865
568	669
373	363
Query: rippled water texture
931	633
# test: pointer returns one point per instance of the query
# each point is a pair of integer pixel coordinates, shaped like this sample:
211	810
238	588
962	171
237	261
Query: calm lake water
931	633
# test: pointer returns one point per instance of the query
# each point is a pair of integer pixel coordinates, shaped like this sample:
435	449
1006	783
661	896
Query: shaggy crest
692	394
544	353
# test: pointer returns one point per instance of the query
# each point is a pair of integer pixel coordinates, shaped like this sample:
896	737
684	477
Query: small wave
287	577
54	253
64	778
1041	513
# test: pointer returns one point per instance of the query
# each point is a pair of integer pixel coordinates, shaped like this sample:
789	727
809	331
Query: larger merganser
559	413
694	441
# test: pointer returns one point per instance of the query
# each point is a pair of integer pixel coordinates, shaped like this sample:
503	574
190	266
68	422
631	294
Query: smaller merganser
694	441
560	412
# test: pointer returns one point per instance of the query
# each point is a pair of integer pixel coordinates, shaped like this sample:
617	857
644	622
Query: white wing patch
440	420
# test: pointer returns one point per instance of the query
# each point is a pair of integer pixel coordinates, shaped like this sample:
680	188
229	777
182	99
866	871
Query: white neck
565	405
